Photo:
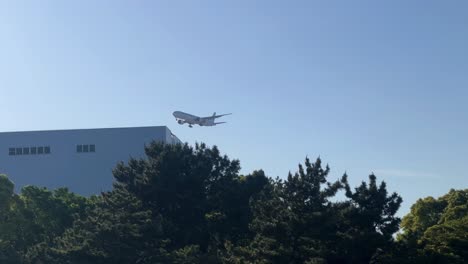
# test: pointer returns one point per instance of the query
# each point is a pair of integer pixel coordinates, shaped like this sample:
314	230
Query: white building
81	159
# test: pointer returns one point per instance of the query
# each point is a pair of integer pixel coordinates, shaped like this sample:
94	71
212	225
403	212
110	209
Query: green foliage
295	221
367	222
178	205
437	229
34	218
117	230
9	217
6	193
185	204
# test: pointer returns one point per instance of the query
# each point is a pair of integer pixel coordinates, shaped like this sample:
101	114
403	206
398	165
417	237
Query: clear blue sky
370	86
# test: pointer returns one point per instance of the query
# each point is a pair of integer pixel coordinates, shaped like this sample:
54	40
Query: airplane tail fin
214	114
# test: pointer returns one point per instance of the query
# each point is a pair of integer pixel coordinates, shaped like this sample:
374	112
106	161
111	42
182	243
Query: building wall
83	173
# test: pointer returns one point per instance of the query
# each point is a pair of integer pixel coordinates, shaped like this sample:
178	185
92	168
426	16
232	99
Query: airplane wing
221	115
215	116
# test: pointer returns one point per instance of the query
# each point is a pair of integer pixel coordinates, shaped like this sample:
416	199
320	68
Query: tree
300	221
184	185
117	230
183	204
368	222
291	219
34	217
179	204
436	230
9	218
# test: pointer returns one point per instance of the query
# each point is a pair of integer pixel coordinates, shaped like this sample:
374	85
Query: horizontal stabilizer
217	123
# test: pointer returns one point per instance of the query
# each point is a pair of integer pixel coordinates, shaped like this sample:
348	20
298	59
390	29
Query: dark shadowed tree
291	219
367	222
300	220
117	230
183	204
178	205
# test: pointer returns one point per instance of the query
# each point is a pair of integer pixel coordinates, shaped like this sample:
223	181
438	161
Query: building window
29	151
19	151
85	148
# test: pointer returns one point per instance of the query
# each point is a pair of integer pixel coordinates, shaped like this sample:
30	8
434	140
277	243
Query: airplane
184	118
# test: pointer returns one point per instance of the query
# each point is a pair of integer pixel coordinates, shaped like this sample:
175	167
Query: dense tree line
184	204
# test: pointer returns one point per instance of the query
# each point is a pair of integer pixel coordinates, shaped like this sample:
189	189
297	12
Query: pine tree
291	218
368	221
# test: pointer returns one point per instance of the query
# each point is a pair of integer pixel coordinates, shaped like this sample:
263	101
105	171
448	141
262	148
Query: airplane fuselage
184	118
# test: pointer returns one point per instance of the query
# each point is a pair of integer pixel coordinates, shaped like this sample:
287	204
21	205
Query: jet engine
180	122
